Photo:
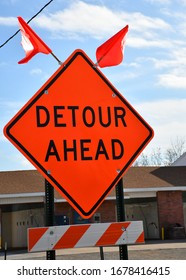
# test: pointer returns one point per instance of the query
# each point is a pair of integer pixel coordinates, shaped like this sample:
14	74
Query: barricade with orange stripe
86	235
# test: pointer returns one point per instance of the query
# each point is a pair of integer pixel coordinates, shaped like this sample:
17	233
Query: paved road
159	250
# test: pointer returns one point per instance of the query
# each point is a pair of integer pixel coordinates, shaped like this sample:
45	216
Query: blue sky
152	76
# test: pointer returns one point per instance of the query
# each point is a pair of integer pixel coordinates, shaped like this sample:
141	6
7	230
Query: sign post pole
123	251
49	213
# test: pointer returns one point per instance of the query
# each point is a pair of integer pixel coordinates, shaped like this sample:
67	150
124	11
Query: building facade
155	195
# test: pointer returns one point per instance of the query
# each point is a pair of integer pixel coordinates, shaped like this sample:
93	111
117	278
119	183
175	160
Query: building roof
155	177
136	178
26	181
181	161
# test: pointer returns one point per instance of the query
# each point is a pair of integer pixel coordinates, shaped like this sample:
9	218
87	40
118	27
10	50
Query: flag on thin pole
110	53
31	42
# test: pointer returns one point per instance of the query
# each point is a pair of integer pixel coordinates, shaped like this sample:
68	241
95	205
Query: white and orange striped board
85	235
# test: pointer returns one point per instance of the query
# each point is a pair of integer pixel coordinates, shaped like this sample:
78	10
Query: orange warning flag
110	53
31	42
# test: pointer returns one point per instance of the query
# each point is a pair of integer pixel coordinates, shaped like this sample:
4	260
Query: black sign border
37	164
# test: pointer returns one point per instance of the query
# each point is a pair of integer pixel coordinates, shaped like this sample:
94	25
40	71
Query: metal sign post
121	216
49	213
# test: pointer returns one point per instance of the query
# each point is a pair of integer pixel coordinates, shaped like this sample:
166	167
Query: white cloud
140	42
36	71
82	19
183	2
9	109
171	69
183	29
8	21
172	81
143	23
3	64
23	162
159	2
10	106
167	118
2	137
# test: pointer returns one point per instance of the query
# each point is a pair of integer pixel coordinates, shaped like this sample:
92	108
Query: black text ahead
79	118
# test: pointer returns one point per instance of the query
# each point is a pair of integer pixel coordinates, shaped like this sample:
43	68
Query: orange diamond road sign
80	133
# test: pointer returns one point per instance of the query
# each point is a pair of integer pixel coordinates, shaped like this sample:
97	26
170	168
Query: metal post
5	250
101	253
49	213
121	216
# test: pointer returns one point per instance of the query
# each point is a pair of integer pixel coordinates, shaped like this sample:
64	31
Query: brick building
156	195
